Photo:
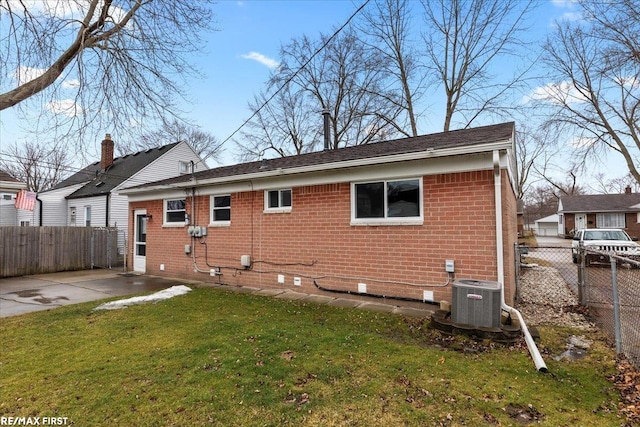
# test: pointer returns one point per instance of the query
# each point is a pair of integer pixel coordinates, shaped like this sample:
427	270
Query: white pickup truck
605	240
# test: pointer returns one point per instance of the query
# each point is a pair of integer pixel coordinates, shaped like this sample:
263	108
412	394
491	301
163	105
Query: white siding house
9	188
90	197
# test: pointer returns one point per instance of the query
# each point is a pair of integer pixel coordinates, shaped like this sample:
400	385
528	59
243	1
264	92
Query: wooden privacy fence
37	250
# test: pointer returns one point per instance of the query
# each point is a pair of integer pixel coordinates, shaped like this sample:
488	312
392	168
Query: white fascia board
11	186
426	162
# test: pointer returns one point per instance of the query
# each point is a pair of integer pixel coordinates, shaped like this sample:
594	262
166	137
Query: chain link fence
606	284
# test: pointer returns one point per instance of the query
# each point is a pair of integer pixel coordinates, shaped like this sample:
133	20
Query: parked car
604	240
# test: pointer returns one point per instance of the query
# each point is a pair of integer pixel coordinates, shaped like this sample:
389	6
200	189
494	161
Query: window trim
417	220
280	208
608	216
166	223
184	167
212	221
87	216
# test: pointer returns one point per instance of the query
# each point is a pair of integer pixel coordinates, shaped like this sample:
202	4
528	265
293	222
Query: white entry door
140	241
581	221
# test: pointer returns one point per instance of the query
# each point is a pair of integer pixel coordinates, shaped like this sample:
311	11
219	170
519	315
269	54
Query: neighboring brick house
379	219
600	211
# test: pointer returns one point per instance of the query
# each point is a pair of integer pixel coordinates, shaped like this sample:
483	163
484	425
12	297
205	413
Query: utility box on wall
476	303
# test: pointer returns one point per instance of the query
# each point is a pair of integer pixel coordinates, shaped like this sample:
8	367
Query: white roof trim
369	161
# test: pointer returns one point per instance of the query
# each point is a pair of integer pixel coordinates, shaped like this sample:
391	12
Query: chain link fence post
582	294
616	304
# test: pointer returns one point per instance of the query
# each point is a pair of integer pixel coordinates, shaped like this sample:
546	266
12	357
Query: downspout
531	345
107	211
41	209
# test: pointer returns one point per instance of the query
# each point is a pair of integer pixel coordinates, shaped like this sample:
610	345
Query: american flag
26	200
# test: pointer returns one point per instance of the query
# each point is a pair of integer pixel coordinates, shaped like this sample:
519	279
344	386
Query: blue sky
238	57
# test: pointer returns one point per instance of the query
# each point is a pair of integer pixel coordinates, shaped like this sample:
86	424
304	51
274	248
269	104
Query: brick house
600	211
378	219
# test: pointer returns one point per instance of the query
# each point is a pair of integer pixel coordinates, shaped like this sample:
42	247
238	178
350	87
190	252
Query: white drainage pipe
531	345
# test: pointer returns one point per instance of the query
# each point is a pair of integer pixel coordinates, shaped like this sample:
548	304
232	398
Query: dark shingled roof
436	141
601	203
102	182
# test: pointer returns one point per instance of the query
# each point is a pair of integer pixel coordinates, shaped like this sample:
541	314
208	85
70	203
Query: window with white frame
389	201
221	210
174	211
185	167
277	200
610	220
87	216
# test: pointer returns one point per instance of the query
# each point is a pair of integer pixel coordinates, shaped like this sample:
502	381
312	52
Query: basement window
174	212
277	200
387	202
221	210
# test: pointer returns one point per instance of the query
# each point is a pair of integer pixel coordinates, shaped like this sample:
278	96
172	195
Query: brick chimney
627	189
106	158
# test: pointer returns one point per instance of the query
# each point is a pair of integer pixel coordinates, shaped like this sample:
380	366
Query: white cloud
582	142
57	8
632	82
71	83
264	60
67	107
562	3
26	74
572	16
557	93
64	9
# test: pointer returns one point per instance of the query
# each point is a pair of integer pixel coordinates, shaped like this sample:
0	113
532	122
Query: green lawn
213	357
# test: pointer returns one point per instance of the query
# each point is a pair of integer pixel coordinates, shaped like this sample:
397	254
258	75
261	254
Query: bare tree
206	145
40	166
542	199
341	78
387	25
284	126
463	39
530	147
99	63
595	95
615	185
539	201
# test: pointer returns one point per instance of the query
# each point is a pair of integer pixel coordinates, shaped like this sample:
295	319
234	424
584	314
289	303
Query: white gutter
342	164
531	345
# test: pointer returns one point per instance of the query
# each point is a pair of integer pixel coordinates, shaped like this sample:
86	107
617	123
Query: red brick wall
316	240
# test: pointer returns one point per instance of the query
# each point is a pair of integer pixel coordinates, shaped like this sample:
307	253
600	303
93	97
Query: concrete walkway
19	295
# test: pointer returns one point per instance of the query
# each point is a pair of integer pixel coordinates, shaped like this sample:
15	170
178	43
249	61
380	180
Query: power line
263	105
302	67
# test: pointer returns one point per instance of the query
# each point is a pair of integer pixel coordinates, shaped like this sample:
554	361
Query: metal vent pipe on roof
327	128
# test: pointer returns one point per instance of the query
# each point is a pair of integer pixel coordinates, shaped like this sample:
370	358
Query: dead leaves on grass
627	381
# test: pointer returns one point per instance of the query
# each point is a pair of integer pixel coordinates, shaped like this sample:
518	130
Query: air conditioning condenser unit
476	303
